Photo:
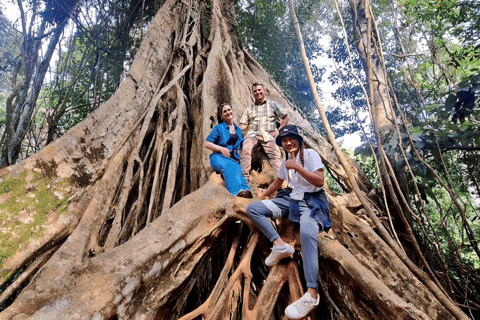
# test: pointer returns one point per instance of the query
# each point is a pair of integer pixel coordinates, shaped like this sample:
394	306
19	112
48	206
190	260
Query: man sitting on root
261	120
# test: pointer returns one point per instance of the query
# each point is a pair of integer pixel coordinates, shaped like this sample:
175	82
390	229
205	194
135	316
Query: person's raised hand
291	164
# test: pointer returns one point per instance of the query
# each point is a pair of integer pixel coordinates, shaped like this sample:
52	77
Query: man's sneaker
276	256
302	306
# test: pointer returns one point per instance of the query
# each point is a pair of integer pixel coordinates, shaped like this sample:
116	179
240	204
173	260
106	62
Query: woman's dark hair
220	109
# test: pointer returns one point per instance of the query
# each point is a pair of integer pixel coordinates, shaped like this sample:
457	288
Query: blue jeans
231	172
260	211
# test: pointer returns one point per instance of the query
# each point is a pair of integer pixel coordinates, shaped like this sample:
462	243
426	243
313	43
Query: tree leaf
450	103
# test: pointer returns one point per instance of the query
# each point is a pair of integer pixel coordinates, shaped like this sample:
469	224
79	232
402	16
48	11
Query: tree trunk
382	114
123	219
381	103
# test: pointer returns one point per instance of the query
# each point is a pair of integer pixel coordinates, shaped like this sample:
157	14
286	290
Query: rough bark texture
121	217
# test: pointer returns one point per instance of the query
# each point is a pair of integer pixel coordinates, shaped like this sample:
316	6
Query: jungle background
61	60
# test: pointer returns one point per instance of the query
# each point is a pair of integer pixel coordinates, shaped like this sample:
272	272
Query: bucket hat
291	131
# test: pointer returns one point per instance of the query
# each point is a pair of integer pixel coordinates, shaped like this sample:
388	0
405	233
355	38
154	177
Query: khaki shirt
262	118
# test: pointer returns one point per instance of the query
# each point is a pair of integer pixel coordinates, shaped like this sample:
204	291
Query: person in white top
305	202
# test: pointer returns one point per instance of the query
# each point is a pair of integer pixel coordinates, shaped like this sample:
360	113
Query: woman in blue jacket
225	140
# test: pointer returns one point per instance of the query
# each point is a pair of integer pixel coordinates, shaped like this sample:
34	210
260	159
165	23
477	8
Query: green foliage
332	183
265	28
460	18
460	104
450	94
447	224
453	124
364	158
86	75
87	72
369	168
10	46
206	26
56	11
4	275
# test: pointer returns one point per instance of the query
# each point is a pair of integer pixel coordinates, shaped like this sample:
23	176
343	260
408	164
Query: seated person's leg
230	170
246	156
259	212
308	235
273	153
243	182
309	229
234	181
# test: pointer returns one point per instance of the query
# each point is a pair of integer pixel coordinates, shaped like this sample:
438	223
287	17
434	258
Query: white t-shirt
295	180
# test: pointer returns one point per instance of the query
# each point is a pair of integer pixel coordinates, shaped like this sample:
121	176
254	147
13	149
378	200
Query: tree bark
381	103
145	230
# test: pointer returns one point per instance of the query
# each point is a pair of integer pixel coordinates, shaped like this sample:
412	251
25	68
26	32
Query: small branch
44	35
403	56
457	148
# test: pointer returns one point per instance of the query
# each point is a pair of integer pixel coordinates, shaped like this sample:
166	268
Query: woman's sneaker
245	194
275	256
302	306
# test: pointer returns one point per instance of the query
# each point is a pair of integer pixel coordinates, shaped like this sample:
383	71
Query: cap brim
278	140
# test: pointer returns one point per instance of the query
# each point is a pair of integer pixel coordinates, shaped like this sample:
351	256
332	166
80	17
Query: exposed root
32	268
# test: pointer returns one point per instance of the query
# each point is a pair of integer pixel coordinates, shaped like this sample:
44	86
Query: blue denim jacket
220	135
317	201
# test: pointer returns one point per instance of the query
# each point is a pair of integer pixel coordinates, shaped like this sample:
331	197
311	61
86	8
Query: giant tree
121	218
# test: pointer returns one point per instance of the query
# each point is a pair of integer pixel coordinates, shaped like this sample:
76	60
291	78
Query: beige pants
271	149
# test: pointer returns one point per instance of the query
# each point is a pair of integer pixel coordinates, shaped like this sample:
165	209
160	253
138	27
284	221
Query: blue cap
291	131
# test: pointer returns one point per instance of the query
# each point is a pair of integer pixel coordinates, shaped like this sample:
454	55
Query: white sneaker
276	256
302	306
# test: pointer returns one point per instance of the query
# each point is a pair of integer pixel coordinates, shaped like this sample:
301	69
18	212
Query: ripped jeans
277	208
